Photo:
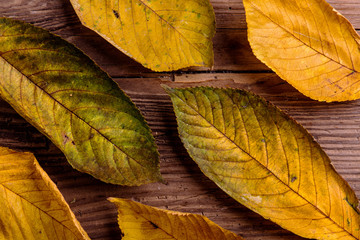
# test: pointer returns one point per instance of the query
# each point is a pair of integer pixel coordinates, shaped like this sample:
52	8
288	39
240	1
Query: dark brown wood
335	126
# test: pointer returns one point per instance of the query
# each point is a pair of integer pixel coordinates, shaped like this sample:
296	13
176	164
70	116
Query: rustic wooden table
335	126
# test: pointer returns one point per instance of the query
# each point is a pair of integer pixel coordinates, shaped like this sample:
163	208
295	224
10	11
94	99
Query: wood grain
336	126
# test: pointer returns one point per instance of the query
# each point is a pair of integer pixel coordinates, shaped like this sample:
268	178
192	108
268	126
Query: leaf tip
120	203
167	89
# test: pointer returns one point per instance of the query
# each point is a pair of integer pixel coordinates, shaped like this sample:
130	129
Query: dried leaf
161	35
31	205
307	43
141	222
76	105
266	161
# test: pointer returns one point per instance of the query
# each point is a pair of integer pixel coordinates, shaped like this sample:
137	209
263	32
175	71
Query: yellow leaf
62	92
308	44
161	35
141	222
31	205
266	161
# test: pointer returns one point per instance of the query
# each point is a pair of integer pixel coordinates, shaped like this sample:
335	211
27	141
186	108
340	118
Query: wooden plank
231	48
231	13
336	126
58	15
232	51
188	189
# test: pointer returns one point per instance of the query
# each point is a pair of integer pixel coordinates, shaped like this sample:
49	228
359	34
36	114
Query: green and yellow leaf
31	205
308	44
141	222
161	35
76	105
266	161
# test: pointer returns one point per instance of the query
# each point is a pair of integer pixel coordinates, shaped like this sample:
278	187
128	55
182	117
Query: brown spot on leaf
91	136
116	13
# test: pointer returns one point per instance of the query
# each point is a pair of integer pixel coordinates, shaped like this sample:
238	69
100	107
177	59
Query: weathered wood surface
336	126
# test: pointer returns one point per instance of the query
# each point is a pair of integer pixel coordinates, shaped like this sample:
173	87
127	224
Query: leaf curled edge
65	95
141	222
161	35
31	205
266	161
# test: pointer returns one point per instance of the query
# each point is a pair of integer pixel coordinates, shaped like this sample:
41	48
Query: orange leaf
141	222
161	35
31	205
266	161
308	44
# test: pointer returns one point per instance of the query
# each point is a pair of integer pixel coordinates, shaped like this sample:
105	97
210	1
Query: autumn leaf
141	222
308	44
161	35
31	205
76	105
266	161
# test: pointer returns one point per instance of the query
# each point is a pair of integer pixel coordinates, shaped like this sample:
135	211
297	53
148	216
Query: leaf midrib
147	6
62	105
32	204
263	166
290	33
149	221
